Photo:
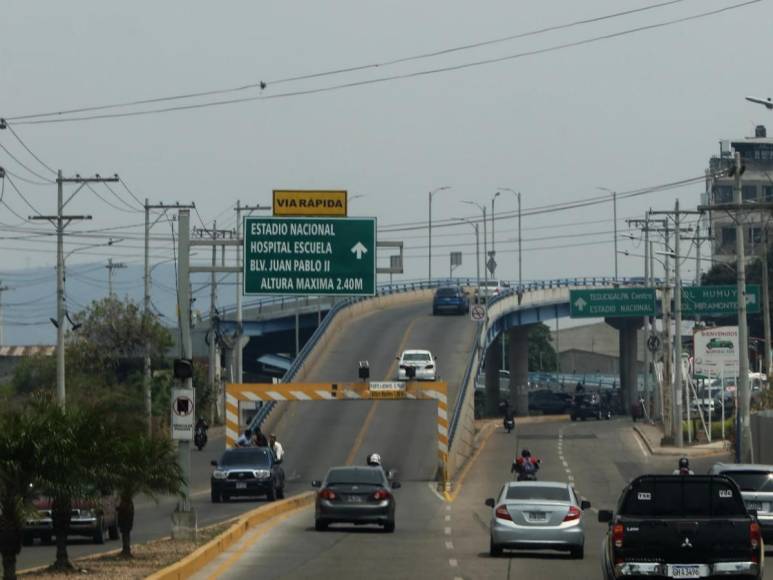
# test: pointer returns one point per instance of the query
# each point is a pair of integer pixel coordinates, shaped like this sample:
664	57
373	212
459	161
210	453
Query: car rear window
539	493
246	458
760	481
687	496
446	292
354	475
416	356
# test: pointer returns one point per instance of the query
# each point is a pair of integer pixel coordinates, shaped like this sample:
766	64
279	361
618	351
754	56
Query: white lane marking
448	518
447	531
433	489
449	545
448	508
453	563
570	478
641	446
565	463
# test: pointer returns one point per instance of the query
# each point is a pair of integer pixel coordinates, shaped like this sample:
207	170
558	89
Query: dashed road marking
448	508
448	518
449	545
447	531
453	563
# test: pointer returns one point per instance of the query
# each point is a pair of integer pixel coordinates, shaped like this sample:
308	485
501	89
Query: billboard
716	351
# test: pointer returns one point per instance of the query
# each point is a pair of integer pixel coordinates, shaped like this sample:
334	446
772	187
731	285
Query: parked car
247	471
674	526
421	363
93	517
450	299
537	515
589	406
756	485
549	402
355	495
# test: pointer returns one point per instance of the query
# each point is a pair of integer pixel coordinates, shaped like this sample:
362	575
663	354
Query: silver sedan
537	515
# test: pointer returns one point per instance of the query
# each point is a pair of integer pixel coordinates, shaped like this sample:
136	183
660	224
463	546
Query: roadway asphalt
318	435
449	540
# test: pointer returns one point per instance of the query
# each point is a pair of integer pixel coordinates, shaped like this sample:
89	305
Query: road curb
203	555
687	451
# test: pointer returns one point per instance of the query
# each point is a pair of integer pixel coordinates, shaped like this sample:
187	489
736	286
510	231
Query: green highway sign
612	303
718	300
310	256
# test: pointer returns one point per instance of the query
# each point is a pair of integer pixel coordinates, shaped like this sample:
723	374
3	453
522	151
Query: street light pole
477	248
429	228
482	208
678	436
517	195
493	239
614	219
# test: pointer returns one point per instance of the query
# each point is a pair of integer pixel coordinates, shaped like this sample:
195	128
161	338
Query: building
757	185
592	348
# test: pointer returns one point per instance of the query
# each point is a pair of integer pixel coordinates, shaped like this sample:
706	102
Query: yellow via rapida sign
309	203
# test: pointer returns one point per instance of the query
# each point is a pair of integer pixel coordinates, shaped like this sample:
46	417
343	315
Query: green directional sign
612	303
718	300
310	256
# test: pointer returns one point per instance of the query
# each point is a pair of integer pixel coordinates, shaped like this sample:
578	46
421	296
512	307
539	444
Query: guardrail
457	412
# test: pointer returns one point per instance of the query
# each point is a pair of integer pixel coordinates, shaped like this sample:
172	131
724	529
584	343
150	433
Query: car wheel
271	495
320	526
216	497
99	533
494	550
578	553
27	539
389	527
225	497
112	531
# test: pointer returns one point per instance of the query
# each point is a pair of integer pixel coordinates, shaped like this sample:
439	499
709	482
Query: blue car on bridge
450	299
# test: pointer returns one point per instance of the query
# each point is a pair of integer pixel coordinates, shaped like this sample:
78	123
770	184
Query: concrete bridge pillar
628	338
493	363
518	353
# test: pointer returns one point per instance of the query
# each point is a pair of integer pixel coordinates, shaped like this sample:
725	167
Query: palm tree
73	464
18	453
142	464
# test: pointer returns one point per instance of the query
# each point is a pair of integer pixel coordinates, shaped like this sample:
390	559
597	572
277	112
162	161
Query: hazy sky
625	113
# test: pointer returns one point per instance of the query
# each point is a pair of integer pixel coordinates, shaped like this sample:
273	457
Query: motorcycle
509	424
200	437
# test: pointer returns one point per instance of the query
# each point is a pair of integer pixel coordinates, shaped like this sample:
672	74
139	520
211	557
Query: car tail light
574	514
501	513
327	494
755	538
381	495
618	531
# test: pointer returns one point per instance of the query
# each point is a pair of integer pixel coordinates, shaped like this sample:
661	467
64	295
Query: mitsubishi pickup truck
672	526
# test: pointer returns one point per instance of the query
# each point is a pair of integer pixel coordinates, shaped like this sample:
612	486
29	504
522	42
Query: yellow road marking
372	412
450	497
250	541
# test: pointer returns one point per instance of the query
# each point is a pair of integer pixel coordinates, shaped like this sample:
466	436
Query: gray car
537	515
355	495
756	485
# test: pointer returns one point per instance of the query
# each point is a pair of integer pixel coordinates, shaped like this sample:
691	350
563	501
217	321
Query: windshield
416	356
446	292
246	458
761	481
682	497
533	492
359	475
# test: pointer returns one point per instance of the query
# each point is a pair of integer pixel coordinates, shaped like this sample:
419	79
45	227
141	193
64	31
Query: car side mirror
490	502
213	463
584	505
316	483
396	485
605	516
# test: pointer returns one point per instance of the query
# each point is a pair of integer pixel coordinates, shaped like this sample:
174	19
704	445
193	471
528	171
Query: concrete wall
463	445
762	437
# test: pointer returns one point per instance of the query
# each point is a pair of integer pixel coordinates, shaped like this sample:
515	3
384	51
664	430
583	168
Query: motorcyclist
245	439
374	460
202	424
683	468
526	466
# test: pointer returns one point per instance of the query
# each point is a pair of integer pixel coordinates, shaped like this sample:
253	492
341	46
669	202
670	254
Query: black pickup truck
671	526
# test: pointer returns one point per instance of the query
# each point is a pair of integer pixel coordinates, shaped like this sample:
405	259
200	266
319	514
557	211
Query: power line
33	172
23	144
111	204
21	195
41	118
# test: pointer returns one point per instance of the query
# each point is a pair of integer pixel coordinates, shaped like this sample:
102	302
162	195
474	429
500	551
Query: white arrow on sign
580	304
359	250
751	299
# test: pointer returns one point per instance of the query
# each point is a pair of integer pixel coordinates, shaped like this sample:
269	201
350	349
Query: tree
19	448
74	461
542	355
146	465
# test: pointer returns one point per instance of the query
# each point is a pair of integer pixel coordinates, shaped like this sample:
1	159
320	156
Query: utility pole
110	267
520	255
744	440
237	352
60	221
2	327
765	297
184	318
614	218
146	370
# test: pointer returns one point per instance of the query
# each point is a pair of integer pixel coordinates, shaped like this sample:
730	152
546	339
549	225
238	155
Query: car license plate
241	485
355	499
537	516
684	571
756	505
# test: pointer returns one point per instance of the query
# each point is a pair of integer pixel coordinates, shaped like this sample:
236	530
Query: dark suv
450	299
94	517
248	471
589	406
549	402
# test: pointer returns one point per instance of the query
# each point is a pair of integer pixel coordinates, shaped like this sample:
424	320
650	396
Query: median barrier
205	554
